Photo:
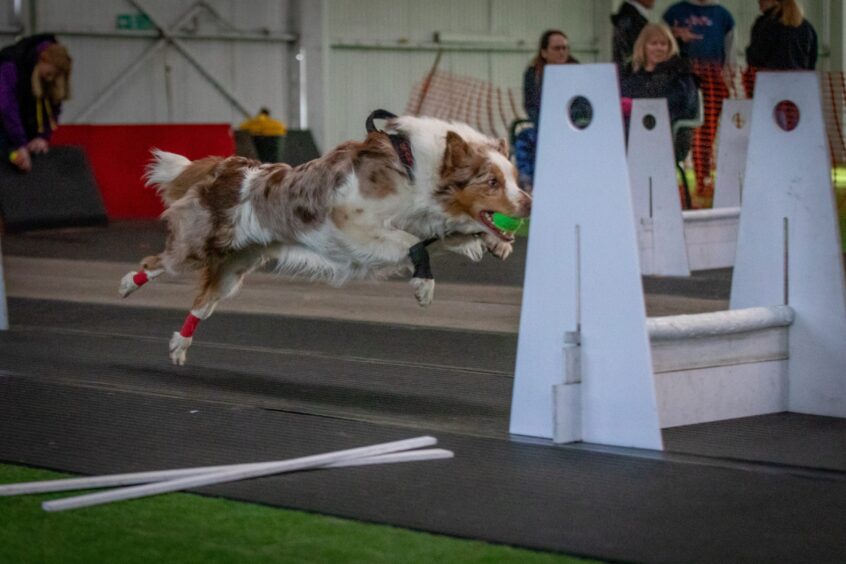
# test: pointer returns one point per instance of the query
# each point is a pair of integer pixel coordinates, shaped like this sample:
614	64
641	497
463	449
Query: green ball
506	223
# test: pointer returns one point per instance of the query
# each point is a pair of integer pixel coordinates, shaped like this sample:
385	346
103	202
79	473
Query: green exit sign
133	21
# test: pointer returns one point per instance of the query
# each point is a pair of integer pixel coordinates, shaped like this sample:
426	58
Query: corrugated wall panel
167	87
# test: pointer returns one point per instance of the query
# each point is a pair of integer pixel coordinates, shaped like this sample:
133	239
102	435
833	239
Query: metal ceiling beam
169	37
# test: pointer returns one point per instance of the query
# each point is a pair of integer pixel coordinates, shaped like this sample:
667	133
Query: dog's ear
457	151
501	146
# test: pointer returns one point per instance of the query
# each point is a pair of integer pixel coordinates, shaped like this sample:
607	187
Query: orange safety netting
488	108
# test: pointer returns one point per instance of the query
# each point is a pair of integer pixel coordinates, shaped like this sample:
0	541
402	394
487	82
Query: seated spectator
657	71
553	49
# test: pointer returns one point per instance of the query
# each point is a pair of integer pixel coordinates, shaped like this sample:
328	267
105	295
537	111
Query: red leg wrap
190	325
140	278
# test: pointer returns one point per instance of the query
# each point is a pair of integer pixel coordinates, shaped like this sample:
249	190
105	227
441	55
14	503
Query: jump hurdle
732	148
673	242
591	367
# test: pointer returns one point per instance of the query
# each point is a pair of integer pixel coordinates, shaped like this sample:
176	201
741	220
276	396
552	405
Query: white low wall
711	237
720	365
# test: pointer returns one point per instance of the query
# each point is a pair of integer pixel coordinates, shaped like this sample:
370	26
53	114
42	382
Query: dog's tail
162	171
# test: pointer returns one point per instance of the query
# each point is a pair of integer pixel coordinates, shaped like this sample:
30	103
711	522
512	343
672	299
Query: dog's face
478	180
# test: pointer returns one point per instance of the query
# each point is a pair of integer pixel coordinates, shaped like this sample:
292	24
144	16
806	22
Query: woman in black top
657	71
782	39
554	49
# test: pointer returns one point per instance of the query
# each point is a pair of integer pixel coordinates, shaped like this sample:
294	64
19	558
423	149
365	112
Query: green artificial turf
187	528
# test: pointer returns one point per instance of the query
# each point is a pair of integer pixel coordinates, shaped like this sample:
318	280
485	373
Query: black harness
401	145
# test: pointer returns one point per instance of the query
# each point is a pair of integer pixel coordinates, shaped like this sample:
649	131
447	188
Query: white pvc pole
93	482
224	476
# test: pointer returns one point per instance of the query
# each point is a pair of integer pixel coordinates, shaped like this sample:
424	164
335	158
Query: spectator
263	124
34	81
657	71
553	49
705	31
628	23
782	39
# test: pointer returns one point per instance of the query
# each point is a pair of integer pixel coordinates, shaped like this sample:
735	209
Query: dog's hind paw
127	284
424	290
178	348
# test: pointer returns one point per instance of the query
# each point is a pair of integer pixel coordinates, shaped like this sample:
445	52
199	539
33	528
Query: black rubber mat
781	438
60	191
601	505
426	378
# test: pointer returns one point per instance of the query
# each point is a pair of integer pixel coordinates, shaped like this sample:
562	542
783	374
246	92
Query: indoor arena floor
293	368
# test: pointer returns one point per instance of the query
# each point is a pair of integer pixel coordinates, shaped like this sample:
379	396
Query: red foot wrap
140	278
190	325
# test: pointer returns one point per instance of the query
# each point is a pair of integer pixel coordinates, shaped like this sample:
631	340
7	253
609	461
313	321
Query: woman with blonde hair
657	71
34	81
781	38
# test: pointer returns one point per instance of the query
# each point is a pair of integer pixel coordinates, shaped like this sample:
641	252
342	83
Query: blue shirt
711	21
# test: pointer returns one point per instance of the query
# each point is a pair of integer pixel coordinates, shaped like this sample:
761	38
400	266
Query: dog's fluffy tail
162	171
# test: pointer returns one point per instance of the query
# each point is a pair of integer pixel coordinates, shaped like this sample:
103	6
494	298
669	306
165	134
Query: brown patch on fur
153	262
278	173
194	173
304	214
378	167
460	164
340	217
501	146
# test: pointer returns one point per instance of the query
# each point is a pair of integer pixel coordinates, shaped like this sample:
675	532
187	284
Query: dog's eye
493	182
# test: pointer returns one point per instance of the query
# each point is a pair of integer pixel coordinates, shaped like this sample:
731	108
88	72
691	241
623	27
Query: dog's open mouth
486	217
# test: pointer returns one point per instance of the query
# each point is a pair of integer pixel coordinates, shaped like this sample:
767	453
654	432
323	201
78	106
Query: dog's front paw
127	284
424	290
178	348
498	248
470	246
474	250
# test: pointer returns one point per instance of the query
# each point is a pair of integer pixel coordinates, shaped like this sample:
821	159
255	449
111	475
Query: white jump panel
655	192
733	142
583	278
788	241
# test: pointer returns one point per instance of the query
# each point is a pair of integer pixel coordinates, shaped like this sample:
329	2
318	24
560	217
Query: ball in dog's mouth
486	217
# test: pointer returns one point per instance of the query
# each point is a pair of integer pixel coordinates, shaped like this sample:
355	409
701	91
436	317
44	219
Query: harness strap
401	145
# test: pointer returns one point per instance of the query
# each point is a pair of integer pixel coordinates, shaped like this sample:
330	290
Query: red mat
118	154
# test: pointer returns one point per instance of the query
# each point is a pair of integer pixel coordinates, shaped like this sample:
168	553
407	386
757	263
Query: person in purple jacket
34	81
